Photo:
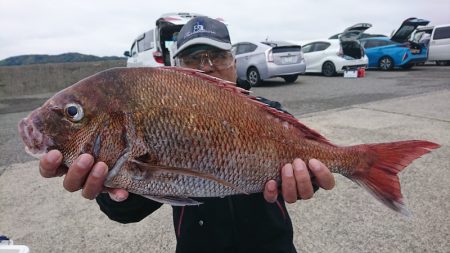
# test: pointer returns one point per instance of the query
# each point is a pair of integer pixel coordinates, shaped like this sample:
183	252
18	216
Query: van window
441	33
146	42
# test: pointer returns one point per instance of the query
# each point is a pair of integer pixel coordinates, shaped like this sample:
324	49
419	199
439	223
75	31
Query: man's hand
296	181
82	174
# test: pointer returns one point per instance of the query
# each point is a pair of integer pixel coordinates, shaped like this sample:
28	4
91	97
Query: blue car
396	52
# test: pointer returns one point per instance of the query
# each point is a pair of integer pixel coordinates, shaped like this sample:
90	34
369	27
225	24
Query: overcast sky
107	27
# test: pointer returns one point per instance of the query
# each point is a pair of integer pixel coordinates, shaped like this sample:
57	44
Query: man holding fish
256	222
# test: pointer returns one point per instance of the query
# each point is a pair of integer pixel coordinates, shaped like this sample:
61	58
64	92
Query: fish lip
36	143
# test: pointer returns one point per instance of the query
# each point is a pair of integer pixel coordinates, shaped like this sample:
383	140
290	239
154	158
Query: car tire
253	77
243	84
290	78
386	63
328	69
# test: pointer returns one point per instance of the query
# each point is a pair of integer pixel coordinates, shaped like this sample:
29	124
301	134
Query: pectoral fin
174	201
187	172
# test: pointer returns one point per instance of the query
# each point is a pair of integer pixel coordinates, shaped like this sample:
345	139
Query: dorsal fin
308	133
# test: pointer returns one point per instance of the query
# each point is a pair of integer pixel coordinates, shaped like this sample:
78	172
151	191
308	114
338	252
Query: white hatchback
332	56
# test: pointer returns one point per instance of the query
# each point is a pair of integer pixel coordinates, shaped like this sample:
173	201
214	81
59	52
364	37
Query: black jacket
240	223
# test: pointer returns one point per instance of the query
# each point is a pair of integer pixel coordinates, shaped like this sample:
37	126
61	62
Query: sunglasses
219	59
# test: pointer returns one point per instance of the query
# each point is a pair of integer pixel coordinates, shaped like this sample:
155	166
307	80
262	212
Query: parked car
153	48
437	40
258	61
397	51
332	56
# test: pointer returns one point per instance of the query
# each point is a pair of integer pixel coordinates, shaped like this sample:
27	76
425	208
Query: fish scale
172	134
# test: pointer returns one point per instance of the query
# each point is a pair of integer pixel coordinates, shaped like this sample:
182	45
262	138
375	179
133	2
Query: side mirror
127	53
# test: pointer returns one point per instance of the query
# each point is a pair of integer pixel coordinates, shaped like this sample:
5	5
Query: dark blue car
396	52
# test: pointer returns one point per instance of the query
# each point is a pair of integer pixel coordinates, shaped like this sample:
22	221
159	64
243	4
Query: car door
440	44
374	51
243	55
314	54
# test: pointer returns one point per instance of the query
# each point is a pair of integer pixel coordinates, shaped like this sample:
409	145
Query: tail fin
385	161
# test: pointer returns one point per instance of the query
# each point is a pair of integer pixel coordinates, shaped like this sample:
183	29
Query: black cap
205	31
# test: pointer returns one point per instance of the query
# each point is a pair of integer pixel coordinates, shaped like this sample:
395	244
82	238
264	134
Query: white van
437	39
153	48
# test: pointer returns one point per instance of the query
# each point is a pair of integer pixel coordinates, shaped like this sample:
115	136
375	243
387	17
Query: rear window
405	31
442	33
286	49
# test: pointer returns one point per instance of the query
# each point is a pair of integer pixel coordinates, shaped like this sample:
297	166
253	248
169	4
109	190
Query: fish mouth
36	143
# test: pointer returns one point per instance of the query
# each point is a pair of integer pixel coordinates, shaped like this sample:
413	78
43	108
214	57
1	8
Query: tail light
405	56
270	55
157	55
341	52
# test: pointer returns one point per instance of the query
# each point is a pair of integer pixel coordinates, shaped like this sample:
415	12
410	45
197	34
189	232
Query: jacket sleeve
133	209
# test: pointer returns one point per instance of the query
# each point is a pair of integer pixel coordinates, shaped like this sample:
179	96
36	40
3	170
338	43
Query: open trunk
352	49
349	40
408	26
414	47
167	36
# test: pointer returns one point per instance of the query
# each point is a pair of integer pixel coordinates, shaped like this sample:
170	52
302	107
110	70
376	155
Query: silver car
257	61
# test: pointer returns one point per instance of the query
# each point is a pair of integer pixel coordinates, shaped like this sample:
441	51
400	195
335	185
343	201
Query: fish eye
74	112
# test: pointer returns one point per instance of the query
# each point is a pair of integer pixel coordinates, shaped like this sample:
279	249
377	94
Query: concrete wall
44	78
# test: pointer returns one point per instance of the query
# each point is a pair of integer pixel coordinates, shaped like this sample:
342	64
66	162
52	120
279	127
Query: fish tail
385	161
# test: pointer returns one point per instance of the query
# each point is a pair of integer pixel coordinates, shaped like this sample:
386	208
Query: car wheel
253	77
290	79
386	63
243	84
328	69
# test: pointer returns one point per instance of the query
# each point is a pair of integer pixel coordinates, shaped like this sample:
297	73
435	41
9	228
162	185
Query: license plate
288	59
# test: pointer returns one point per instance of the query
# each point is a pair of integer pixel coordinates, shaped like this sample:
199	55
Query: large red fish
170	134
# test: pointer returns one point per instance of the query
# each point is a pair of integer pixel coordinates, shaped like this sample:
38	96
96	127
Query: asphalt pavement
39	213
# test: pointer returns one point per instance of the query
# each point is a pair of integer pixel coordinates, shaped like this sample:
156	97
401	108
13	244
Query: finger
49	164
323	175
78	171
303	180
117	195
94	182
288	184
271	191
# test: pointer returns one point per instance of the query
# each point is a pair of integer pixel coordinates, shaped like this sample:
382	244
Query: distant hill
43	58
